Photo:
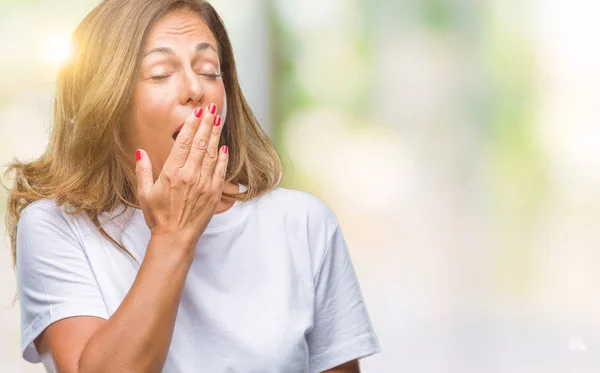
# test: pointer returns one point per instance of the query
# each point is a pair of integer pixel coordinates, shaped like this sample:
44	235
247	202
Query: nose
192	90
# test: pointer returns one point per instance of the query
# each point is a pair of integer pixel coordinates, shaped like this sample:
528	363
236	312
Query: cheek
149	114
145	123
151	106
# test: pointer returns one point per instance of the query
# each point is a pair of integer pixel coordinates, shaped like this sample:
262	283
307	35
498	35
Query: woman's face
180	71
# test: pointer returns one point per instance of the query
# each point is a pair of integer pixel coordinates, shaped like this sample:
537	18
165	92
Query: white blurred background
457	141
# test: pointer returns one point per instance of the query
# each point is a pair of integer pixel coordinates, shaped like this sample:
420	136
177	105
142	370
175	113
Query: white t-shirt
271	288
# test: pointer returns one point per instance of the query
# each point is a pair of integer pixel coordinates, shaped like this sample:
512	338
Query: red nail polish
212	108
198	112
218	121
225	149
138	155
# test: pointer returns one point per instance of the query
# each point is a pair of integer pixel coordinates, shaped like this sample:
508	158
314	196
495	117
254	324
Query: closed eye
159	77
211	76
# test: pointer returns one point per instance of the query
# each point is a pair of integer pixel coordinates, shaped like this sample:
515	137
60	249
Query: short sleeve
342	329
54	277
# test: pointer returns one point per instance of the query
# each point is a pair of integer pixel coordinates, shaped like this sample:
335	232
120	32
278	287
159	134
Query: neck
226	203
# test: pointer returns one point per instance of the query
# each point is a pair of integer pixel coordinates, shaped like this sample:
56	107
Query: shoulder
304	218
297	200
300	206
42	221
43	209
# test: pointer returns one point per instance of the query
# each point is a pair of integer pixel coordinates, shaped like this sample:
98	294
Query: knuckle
200	144
203	188
188	178
168	175
211	154
185	140
140	171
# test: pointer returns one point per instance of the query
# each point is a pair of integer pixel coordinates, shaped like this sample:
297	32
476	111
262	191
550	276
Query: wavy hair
85	165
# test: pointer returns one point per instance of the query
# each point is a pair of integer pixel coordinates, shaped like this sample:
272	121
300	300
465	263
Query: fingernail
225	149
218	121
198	112
138	155
212	108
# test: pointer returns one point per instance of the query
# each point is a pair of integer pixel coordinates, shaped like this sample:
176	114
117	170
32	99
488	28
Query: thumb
143	173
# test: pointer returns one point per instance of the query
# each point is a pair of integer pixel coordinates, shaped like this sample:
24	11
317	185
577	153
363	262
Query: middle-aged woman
152	236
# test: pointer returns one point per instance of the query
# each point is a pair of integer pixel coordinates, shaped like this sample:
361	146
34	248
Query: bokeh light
58	49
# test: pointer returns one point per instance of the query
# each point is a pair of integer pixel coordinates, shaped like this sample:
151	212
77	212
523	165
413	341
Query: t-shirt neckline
218	223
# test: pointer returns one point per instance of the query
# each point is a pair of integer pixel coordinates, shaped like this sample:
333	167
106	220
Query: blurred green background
457	142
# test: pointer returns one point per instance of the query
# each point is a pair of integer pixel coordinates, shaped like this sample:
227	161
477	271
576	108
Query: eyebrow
199	48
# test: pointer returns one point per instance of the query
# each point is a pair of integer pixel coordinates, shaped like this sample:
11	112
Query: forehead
180	27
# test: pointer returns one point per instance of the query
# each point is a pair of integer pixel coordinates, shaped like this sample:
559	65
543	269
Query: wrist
172	243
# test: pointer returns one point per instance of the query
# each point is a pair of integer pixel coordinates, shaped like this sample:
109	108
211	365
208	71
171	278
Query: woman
188	257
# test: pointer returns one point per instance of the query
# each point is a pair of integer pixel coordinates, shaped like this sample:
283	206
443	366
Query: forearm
136	338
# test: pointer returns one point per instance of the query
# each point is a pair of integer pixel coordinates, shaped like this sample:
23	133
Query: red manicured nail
218	121
225	149
198	112
138	155
212	108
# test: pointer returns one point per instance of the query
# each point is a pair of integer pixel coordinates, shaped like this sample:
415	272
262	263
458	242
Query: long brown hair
85	165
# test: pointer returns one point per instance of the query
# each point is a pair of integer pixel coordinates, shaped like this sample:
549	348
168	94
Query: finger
212	153
218	177
184	140
201	142
143	173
